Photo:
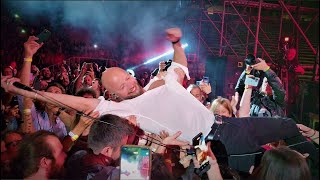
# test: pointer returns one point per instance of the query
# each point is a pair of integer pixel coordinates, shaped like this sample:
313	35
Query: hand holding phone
43	36
89	66
205	79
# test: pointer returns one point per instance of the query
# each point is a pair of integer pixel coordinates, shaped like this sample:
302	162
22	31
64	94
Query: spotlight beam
158	57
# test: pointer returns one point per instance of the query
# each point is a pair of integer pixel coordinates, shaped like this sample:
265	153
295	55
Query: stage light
95	46
162	55
23	31
158	57
16	16
131	72
286	39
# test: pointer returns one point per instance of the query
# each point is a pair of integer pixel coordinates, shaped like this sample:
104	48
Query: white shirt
168	107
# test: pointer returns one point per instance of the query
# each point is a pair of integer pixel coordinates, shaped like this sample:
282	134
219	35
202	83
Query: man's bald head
118	81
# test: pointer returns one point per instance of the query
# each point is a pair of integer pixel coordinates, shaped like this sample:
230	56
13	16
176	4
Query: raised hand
261	65
205	87
173	34
84	68
162	65
31	47
6	83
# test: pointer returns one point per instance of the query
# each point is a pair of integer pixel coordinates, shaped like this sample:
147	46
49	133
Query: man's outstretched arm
80	104
179	56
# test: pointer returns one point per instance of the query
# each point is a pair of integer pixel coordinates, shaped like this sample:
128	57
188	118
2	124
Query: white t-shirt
168	107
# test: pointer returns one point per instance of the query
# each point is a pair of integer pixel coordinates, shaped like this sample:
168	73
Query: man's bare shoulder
156	84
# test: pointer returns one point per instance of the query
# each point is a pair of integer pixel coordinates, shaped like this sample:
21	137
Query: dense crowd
75	119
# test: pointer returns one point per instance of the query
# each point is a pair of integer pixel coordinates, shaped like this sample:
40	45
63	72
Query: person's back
86	165
282	164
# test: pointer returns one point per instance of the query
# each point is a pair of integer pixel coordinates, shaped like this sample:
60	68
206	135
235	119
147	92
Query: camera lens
250	59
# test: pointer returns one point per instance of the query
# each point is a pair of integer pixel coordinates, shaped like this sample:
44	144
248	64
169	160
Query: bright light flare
162	55
286	39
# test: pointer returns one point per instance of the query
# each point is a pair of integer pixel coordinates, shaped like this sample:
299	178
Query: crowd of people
72	122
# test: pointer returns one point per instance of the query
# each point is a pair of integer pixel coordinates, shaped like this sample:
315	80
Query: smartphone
252	81
197	139
89	65
205	79
43	36
135	162
198	83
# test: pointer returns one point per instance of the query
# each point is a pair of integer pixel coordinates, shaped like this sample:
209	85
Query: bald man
163	104
124	86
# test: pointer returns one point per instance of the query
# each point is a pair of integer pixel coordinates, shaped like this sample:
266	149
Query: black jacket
274	104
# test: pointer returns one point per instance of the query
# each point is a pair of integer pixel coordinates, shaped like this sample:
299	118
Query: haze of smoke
135	21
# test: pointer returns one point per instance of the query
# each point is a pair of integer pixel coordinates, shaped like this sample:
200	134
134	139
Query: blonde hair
221	101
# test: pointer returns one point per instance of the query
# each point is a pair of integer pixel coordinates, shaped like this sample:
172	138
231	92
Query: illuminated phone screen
135	162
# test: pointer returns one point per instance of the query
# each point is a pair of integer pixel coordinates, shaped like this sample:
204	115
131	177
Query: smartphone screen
205	79
135	162
43	36
252	81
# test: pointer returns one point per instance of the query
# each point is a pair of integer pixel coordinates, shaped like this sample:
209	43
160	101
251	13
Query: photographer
269	100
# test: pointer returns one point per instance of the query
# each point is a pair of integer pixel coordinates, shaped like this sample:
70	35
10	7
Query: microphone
22	86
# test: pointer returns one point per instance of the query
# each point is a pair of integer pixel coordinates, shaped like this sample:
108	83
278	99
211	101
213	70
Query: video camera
251	60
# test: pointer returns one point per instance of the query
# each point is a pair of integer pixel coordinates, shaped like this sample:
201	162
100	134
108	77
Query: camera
250	60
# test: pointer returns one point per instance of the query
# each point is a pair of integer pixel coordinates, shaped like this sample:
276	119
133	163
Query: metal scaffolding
240	27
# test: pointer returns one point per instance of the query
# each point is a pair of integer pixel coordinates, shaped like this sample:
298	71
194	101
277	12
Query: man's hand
84	68
173	34
31	47
305	131
6	83
162	65
172	140
164	134
91	73
132	120
85	121
261	65
205	87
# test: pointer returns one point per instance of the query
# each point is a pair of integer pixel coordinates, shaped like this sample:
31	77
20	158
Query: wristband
314	132
73	136
176	41
27	59
267	69
27	111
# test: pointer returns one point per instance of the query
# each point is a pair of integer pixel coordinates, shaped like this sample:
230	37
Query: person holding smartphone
268	100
